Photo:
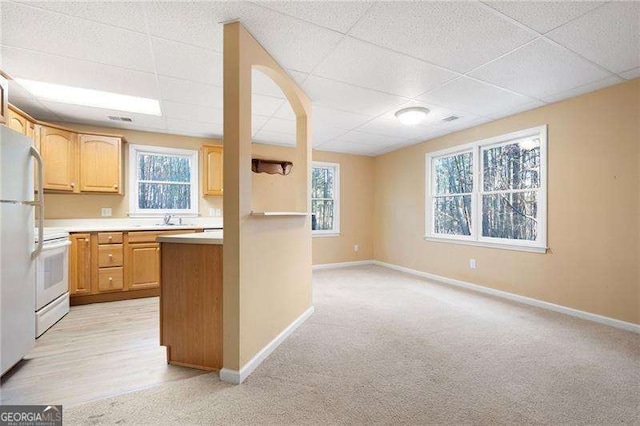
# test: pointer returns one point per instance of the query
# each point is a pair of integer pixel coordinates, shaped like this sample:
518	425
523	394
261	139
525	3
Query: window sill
161	214
328	234
514	247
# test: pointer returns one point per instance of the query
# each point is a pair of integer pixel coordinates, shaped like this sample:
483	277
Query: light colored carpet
386	347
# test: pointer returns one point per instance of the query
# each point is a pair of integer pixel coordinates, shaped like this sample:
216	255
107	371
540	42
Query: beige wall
356	211
593	208
72	206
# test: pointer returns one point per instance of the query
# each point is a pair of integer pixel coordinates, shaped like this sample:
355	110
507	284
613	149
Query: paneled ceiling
358	61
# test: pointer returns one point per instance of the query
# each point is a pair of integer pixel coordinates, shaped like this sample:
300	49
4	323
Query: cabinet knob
110	238
110	279
110	256
72	184
115	186
86	241
157	248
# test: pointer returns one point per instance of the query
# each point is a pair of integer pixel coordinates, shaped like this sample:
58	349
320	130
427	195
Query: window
491	192
325	198
162	180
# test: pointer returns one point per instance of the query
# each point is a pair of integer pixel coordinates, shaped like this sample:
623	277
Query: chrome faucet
167	219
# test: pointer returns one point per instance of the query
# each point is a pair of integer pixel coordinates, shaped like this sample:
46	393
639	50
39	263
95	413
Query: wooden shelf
279	214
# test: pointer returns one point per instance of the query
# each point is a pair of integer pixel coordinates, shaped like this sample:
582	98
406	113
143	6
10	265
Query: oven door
52	271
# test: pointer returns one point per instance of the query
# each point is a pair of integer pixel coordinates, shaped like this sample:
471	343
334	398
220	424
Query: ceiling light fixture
91	98
412	115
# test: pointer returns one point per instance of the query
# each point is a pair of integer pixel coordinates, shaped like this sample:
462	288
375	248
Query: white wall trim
516	298
343	264
237	377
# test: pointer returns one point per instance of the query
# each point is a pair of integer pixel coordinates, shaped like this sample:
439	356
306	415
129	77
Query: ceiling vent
451	118
114	118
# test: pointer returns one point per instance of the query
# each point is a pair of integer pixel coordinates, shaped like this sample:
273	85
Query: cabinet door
213	170
144	266
100	165
80	264
18	123
58	150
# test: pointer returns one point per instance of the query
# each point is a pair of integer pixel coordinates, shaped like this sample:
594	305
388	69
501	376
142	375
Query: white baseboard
343	264
516	298
237	377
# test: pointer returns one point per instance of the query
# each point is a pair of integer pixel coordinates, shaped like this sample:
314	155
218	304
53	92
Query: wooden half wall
267	260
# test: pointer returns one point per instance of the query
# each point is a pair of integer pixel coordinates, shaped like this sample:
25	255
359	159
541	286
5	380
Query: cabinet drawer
110	255
110	279
109	237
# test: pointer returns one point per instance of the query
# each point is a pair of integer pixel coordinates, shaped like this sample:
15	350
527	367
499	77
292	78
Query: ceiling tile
395	73
194	128
262	84
580	90
348	148
265	105
130	15
356	137
456	35
257	121
188	62
346	97
544	16
609	36
194	23
339	16
274	138
517	109
540	69
54	33
186	91
192	112
294	44
631	74
323	133
388	127
89	115
280	125
78	73
473	96
323	116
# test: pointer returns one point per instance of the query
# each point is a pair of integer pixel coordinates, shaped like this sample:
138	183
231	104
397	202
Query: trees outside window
325	198
162	180
490	192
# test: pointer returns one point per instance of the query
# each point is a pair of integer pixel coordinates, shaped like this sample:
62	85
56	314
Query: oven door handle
53	246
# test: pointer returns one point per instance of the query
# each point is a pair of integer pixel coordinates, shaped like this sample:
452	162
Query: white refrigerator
18	251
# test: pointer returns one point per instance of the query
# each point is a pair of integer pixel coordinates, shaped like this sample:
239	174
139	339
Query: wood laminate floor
95	351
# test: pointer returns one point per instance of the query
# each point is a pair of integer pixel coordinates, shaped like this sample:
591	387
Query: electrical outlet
472	263
356	248
212	211
105	211
218	212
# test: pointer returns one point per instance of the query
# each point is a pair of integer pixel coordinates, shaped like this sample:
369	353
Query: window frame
336	199
476	238
134	152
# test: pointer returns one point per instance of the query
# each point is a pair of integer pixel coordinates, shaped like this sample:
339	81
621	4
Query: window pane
513	166
512	216
323	215
166	168
322	182
454	174
164	196
452	215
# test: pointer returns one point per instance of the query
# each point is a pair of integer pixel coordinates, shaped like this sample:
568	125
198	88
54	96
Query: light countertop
212	237
153	224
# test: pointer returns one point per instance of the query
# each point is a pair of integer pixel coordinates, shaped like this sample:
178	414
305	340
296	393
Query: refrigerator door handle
39	202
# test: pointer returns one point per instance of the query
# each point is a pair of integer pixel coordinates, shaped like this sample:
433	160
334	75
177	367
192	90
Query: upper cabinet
100	164
19	122
58	149
212	171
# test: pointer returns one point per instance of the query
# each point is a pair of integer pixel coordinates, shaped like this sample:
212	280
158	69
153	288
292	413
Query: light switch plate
106	211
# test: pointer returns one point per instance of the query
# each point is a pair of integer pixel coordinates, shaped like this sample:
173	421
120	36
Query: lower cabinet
106	266
144	266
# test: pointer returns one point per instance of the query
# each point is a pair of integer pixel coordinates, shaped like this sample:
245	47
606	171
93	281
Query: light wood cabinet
144	266
80	264
100	164
110	279
212	170
59	149
19	122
